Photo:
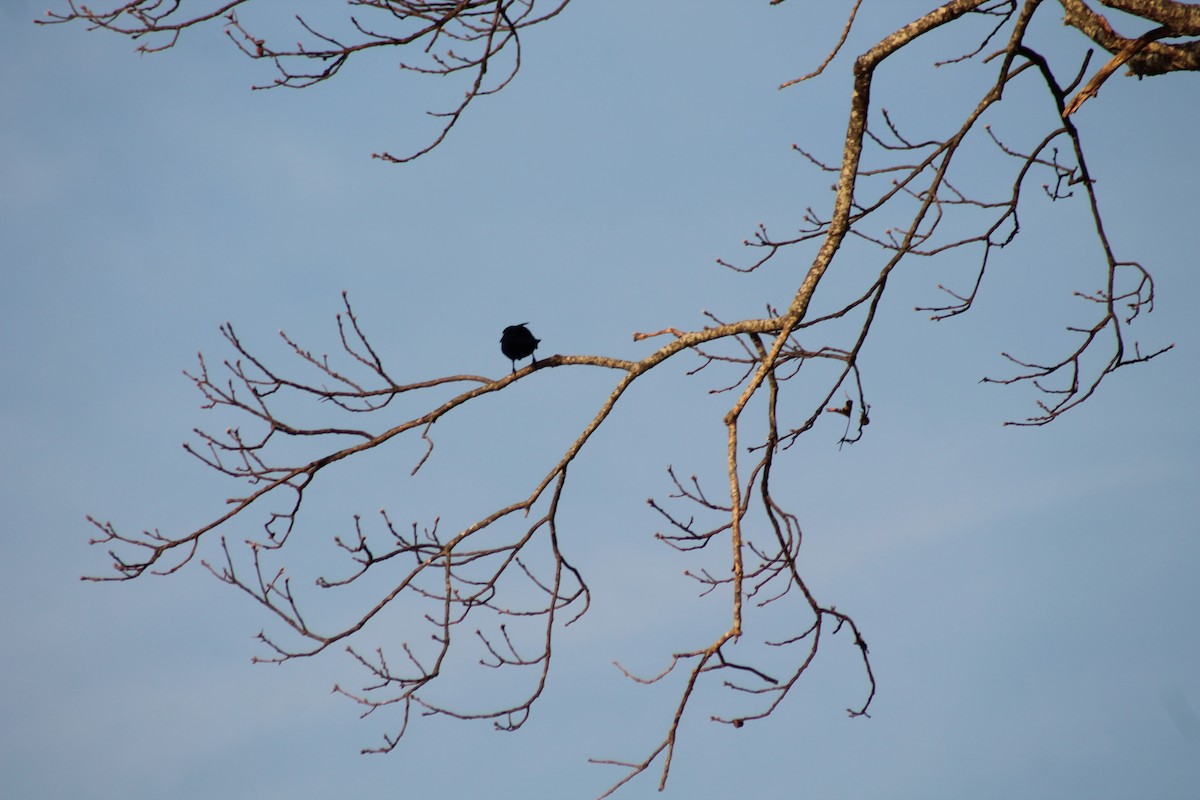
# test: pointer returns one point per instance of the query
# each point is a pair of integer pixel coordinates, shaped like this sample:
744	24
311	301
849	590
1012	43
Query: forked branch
903	189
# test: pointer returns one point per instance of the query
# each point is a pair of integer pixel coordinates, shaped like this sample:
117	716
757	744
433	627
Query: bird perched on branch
517	342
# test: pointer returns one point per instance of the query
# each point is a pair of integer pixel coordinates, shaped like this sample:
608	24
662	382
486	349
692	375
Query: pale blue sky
1029	595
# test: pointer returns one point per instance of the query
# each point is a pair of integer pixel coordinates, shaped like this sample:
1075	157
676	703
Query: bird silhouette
517	342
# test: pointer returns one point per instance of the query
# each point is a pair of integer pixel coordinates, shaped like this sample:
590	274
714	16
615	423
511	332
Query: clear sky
1029	596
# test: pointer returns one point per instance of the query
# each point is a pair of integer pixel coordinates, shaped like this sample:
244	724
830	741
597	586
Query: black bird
517	343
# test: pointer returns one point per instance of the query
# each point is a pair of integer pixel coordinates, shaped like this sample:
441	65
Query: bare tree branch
458	37
905	190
